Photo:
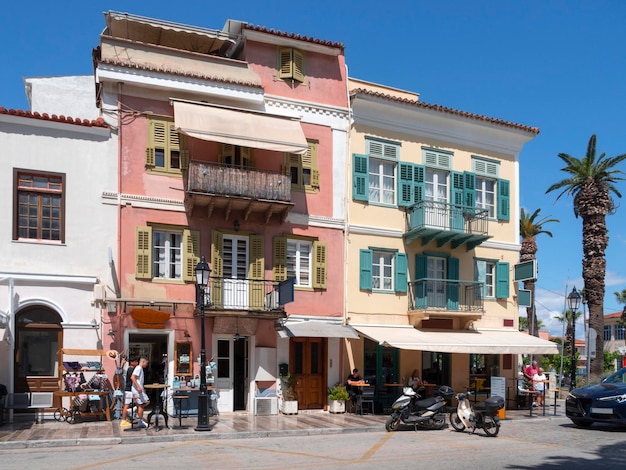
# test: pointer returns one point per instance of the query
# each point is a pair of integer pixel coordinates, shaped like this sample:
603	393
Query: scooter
428	413
482	415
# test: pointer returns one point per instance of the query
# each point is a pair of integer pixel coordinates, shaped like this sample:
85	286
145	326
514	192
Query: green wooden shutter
502	280
453	287
285	62
217	268
419	180
469	189
191	254
421	270
400	281
143	253
503	200
319	264
360	178
256	272
405	185
279	254
457	220
298	65
365	266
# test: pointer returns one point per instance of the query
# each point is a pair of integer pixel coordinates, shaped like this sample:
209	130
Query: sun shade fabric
470	342
246	129
317	329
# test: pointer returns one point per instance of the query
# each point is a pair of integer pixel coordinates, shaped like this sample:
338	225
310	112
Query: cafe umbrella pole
202	278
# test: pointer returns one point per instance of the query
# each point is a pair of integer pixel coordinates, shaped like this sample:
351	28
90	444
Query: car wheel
581	423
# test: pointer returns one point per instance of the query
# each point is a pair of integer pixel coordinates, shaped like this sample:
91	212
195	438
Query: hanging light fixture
237	336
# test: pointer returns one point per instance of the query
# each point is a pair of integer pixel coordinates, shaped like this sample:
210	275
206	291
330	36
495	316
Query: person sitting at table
415	380
354	379
540	386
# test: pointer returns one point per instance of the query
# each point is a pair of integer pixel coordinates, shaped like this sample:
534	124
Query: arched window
39	336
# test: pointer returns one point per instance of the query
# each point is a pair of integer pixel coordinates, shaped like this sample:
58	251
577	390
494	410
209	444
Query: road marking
376	447
132	456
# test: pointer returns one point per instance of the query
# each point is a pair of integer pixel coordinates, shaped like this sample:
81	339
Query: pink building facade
232	147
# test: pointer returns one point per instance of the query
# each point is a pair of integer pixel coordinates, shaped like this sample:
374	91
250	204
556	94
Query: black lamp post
203	271
573	300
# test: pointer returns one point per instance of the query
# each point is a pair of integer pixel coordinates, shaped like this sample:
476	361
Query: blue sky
557	65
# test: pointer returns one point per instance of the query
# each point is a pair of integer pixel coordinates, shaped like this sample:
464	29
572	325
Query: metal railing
243	294
214	178
443	294
447	216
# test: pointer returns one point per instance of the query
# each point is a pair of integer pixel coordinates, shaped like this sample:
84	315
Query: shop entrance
232	377
153	346
307	359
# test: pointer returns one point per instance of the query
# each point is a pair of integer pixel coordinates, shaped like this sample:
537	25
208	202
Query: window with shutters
302	258
485	195
166	253
494	277
166	151
303	169
291	64
374	175
235	156
435	158
40	206
383	270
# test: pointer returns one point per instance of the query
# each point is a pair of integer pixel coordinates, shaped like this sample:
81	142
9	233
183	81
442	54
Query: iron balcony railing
444	294
214	178
247	294
445	216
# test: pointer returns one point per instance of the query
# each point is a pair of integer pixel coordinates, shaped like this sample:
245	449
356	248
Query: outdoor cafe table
157	407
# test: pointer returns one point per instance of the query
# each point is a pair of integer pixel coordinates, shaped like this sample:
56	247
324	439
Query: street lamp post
574	302
203	271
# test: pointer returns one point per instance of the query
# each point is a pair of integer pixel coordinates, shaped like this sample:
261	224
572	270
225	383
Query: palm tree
529	227
591	181
523	324
621	298
567	317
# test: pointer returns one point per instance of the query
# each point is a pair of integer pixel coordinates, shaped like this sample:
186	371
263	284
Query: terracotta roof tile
46	117
182	73
444	109
613	315
299	37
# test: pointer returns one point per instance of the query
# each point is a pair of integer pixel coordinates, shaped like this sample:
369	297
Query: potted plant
337	397
288	394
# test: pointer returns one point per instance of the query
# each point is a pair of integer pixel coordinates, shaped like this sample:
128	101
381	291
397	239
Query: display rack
71	414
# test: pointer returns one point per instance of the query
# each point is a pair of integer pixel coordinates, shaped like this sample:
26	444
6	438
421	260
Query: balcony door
436	287
236	259
436	210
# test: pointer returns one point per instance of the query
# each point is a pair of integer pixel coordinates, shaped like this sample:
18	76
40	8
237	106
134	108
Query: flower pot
336	406
289	407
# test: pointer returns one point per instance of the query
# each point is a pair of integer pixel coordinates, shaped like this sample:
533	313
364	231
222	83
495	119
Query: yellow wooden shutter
191	254
309	160
298	65
279	250
319	265
143	253
226	150
285	63
174	137
256	272
217	268
150	147
247	157
184	159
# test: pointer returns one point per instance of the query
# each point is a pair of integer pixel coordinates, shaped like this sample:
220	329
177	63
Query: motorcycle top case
446	392
494	403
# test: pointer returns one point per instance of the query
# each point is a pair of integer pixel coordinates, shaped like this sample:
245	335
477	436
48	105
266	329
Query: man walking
139	394
128	391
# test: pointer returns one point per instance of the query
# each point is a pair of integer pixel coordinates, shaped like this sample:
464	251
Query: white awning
317	329
240	127
501	341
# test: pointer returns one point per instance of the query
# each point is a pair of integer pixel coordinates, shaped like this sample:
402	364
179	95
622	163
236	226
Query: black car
601	403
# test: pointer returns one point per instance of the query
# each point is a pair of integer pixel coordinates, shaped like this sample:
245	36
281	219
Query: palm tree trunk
595	241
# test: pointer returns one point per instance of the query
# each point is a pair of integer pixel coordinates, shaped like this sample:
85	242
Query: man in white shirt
139	394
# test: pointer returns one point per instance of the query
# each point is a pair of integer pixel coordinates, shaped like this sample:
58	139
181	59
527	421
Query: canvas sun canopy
501	341
240	127
317	329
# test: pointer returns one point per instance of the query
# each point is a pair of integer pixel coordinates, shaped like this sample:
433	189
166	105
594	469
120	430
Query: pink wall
326	75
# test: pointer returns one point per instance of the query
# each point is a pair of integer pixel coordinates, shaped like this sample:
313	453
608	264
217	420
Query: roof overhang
316	329
241	127
496	341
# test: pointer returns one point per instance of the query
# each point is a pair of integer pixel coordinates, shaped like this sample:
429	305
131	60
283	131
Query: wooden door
308	359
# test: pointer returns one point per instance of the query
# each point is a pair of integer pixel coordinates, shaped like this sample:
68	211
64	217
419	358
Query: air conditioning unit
99	292
266	406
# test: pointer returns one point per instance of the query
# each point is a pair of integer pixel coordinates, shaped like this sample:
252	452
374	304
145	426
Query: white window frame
297	262
382	261
168	250
482	195
490	279
379	165
432	177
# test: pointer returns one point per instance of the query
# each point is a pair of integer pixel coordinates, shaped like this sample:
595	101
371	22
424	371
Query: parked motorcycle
410	409
482	415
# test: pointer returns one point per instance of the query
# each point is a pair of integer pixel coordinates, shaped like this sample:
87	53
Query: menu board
498	386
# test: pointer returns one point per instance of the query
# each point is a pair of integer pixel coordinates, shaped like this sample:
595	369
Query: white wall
73	96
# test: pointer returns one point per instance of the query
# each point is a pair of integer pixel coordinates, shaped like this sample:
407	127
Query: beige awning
239	127
316	329
501	341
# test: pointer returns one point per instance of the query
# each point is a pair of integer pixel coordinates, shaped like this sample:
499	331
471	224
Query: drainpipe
11	325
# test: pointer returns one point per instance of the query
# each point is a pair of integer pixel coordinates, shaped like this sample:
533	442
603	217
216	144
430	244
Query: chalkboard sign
498	386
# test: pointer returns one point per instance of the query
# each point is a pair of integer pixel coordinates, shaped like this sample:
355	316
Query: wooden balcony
446	223
213	186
